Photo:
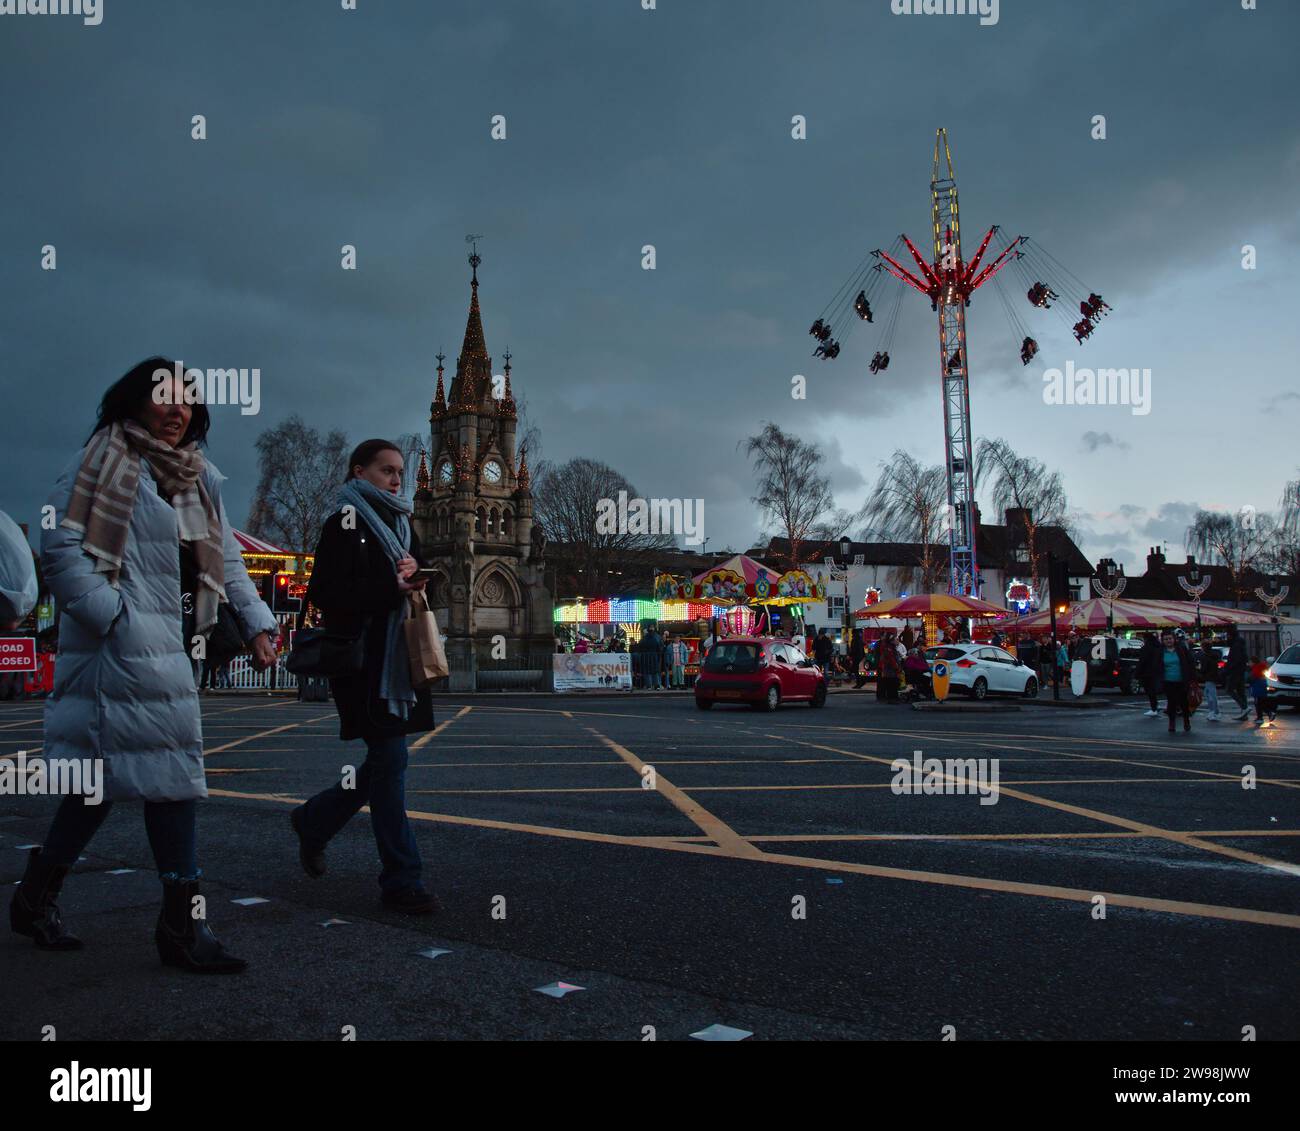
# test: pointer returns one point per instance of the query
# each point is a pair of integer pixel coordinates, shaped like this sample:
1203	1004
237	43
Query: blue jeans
169	824
381	781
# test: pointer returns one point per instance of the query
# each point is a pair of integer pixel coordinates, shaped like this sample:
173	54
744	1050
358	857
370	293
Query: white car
1283	677
981	669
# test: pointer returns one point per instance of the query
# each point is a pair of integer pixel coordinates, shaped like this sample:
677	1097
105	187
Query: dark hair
122	401
364	454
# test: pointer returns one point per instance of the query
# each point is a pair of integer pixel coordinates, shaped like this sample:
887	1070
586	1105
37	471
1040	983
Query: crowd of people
659	659
1182	673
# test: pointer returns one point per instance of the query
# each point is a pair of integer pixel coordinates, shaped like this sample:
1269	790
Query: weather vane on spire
474	258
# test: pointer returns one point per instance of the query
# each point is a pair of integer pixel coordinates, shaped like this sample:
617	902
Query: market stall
935	611
1099	614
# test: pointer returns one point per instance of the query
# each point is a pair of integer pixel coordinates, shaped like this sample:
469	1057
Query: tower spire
506	405
439	396
473	367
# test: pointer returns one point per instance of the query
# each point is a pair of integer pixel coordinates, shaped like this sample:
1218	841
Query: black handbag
320	652
225	641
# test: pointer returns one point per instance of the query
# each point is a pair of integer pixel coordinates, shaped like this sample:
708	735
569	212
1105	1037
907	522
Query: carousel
747	587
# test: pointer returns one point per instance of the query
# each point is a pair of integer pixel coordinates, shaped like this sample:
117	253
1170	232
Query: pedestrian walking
366	565
1149	673
1209	672
857	654
1234	671
1264	705
677	654
889	668
17	575
651	658
1177	673
142	563
823	650
18	593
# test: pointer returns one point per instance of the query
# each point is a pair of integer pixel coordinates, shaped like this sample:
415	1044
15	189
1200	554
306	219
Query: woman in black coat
360	585
1150	673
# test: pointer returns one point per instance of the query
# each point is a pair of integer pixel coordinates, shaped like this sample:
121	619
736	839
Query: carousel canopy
1091	616
250	545
741	580
927	604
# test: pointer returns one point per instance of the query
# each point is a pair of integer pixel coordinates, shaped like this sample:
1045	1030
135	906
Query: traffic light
281	602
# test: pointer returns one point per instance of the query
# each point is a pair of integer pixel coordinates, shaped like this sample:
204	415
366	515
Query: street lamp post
845	547
1273	593
1109	586
1194	585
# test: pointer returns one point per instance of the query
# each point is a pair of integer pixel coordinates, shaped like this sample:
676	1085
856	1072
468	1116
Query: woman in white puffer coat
140	561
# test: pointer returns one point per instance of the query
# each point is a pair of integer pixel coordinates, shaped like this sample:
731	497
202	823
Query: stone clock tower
474	518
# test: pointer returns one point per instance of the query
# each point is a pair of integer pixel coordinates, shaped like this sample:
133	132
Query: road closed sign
17	654
939	676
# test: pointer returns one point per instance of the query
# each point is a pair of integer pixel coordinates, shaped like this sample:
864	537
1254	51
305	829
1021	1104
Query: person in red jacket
888	667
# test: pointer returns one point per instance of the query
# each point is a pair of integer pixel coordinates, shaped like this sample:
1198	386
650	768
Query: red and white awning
250	545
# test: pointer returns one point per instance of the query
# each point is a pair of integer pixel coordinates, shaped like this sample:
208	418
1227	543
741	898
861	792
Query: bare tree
569	500
412	445
1286	549
1245	544
793	491
1024	483
301	474
908	504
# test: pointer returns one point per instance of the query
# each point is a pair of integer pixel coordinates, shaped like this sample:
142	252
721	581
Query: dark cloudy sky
669	127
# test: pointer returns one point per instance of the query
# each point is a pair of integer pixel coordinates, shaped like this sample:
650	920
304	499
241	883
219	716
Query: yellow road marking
725	836
659	762
261	734
796	837
835	785
1096	815
977	883
440	728
1286	783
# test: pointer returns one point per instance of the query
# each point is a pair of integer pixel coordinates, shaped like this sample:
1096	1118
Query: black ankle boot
34	911
310	856
188	942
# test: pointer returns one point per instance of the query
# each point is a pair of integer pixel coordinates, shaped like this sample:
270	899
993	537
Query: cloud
1275	402
1092	441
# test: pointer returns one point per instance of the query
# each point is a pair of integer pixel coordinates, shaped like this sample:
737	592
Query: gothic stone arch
498	602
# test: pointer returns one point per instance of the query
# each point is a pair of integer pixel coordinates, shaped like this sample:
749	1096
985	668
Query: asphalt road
770	881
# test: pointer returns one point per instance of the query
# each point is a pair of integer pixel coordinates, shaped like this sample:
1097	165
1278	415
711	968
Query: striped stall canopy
250	545
929	604
1091	616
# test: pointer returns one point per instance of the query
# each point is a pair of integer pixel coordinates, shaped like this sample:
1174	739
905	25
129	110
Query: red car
759	671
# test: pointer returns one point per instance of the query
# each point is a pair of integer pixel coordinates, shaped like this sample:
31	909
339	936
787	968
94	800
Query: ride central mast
948	282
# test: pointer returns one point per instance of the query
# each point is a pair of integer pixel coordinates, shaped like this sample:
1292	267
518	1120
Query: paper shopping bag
423	643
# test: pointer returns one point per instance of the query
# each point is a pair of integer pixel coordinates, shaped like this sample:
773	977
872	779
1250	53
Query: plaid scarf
103	497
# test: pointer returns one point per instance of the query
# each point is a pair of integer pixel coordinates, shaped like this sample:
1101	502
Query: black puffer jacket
355	586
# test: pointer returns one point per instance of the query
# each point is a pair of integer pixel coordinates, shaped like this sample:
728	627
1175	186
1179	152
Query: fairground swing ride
948	281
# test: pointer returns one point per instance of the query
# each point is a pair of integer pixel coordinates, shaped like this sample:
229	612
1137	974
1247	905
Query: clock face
444	471
492	471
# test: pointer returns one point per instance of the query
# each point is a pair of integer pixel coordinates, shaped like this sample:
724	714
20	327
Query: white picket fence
243	676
